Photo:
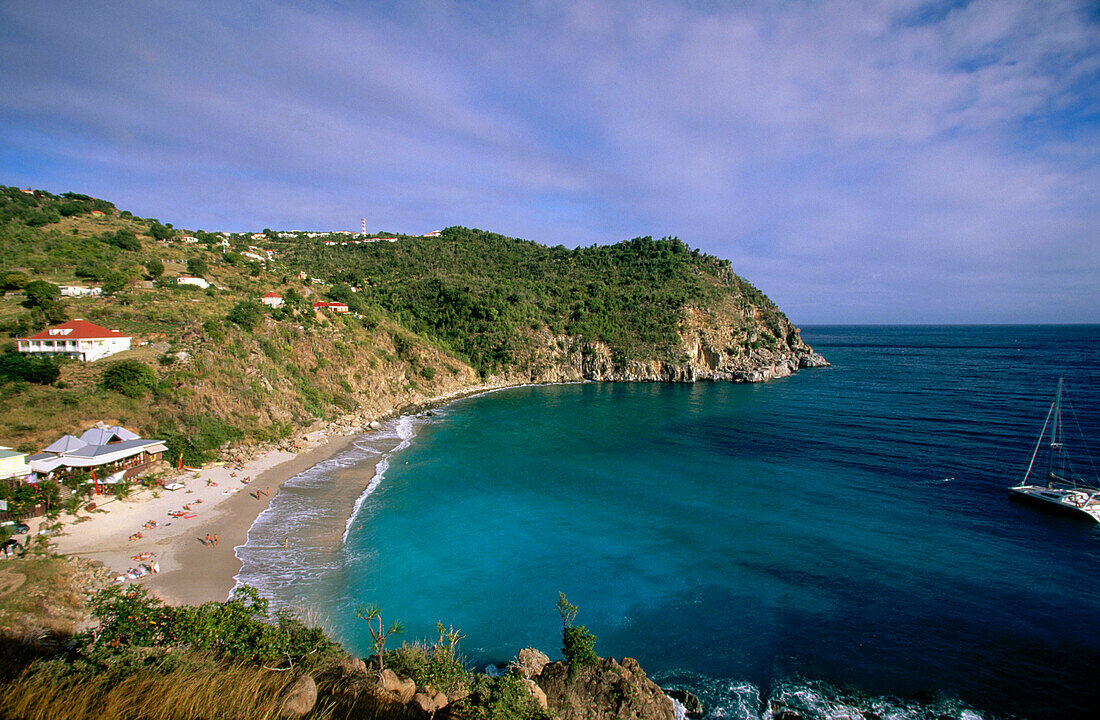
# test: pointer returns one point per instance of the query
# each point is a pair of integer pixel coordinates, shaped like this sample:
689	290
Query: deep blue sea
841	539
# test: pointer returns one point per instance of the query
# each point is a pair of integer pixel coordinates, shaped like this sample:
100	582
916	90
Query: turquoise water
844	527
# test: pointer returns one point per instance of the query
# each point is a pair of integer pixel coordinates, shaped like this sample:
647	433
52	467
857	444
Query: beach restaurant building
78	339
104	451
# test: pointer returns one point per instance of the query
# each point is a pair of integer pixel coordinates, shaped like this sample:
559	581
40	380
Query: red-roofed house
77	339
272	298
337	307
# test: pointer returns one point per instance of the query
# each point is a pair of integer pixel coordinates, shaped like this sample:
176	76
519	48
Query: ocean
840	541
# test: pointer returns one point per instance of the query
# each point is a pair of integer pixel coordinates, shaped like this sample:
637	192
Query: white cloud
879	150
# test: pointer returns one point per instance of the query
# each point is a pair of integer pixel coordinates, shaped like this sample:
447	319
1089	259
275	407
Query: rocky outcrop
397	689
607	691
731	343
529	663
693	706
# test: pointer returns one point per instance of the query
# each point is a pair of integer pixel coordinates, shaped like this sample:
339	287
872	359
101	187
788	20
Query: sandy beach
215	500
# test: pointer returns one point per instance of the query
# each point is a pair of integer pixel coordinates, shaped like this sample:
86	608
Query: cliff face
728	343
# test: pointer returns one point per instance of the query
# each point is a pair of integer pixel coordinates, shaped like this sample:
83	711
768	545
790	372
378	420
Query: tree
114	282
158	231
378	632
155	268
12	281
578	645
131	378
17	366
41	294
125	239
196	266
246	313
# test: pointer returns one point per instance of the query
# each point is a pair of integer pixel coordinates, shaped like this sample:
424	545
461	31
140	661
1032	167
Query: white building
13	464
189	239
80	291
77	339
196	281
272	299
106	450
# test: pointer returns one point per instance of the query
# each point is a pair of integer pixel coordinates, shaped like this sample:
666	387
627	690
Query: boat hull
1073	503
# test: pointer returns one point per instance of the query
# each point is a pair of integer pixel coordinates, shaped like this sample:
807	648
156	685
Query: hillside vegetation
429	316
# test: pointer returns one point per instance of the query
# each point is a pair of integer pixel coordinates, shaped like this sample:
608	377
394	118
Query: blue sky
858	161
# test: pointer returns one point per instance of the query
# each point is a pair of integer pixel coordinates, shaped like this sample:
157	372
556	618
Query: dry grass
190	692
51	598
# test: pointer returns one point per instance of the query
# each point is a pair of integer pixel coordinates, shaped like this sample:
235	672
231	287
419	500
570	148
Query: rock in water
692	704
606	691
298	698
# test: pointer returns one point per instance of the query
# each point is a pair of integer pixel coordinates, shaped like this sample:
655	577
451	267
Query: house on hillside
188	280
272	299
189	239
102	450
13	465
78	339
336	307
80	291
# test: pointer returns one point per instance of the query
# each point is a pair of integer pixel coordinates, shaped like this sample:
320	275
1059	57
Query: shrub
246	313
131	378
578	645
239	628
158	231
437	667
17	366
124	239
500	698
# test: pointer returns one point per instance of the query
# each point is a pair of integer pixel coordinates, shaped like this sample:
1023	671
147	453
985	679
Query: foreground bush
239	629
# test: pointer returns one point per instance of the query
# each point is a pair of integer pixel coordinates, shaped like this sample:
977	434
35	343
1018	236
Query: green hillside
429	315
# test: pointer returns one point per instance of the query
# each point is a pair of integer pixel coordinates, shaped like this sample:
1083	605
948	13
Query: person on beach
207	540
215	539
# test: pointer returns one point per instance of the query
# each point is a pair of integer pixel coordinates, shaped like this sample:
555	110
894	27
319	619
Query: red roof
272	293
329	304
78	330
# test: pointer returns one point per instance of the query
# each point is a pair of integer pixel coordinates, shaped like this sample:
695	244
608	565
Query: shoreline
190	571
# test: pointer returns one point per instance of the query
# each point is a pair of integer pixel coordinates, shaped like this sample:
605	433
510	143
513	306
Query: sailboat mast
1055	434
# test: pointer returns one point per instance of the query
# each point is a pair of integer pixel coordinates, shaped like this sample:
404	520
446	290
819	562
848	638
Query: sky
860	162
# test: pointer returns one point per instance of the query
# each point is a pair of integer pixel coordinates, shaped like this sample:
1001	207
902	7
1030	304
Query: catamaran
1064	490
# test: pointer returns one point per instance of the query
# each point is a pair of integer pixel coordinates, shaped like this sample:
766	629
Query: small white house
78	339
188	280
272	299
13	464
80	291
336	307
189	239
